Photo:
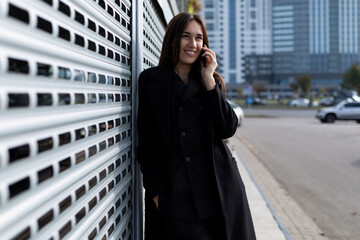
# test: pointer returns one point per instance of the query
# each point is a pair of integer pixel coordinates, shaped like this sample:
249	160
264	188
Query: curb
268	204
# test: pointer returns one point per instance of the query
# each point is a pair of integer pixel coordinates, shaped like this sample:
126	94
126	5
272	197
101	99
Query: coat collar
192	88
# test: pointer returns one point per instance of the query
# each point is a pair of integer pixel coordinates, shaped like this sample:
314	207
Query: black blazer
153	143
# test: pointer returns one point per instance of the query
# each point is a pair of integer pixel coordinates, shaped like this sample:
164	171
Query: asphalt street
317	164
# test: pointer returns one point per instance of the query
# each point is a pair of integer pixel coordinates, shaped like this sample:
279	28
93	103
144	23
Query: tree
194	6
295	87
351	78
240	92
259	87
304	83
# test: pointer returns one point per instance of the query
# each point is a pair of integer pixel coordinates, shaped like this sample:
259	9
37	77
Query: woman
193	187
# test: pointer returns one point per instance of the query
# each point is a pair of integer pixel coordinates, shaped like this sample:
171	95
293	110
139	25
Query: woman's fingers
208	50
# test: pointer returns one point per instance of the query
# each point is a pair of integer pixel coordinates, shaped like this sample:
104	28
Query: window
209	15
253	26
210	26
209	4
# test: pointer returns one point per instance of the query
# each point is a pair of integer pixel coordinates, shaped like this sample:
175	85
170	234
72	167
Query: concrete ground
276	215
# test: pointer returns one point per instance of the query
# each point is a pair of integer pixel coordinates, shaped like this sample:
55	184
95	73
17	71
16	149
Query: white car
238	111
299	102
345	110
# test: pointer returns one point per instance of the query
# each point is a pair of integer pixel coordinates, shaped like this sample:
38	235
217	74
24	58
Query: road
318	165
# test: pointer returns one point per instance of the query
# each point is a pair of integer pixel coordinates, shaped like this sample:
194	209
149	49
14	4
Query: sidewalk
276	215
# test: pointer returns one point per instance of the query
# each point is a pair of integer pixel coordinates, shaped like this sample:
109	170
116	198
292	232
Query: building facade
319	38
237	29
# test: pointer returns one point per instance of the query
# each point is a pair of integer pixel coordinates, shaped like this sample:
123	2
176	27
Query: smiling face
191	43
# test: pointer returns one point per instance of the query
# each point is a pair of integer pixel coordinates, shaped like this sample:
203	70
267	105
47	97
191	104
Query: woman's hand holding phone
208	66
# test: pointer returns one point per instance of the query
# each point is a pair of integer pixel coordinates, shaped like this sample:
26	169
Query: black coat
154	139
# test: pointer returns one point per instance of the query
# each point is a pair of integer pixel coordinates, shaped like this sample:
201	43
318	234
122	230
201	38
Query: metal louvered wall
153	34
68	73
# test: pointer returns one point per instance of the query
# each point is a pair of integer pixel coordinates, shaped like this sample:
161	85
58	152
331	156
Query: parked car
258	101
327	101
299	102
345	110
238	111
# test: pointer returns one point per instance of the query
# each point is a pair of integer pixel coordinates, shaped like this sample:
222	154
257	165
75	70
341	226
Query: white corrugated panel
65	119
153	34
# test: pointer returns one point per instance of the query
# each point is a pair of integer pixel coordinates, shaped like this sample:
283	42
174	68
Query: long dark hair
171	45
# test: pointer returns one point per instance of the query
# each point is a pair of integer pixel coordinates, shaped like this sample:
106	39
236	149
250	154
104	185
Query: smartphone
204	59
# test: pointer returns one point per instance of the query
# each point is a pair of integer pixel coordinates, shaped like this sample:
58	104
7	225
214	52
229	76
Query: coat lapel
192	88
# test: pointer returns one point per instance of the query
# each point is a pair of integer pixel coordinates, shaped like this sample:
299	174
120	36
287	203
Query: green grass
272	104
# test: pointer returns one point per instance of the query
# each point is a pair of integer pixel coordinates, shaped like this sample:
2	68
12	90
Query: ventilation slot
79	98
91	77
44	99
18	100
64	73
65	9
92	182
101	31
64	138
65	229
91	46
80	215
91	25
79	76
50	2
65	164
102	50
25	234
92	151
102	98
64	34
102	145
18	66
102	223
79	157
19	152
45	219
111	212
92	235
45	144
80	192
64	99
102	126
111	229
92	203
44	25
92	130
18	13
64	204
19	187
79	40
79	18
44	70
91	98
102	174
45	174
102	3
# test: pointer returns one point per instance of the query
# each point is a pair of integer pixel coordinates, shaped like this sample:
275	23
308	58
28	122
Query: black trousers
163	227
208	229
